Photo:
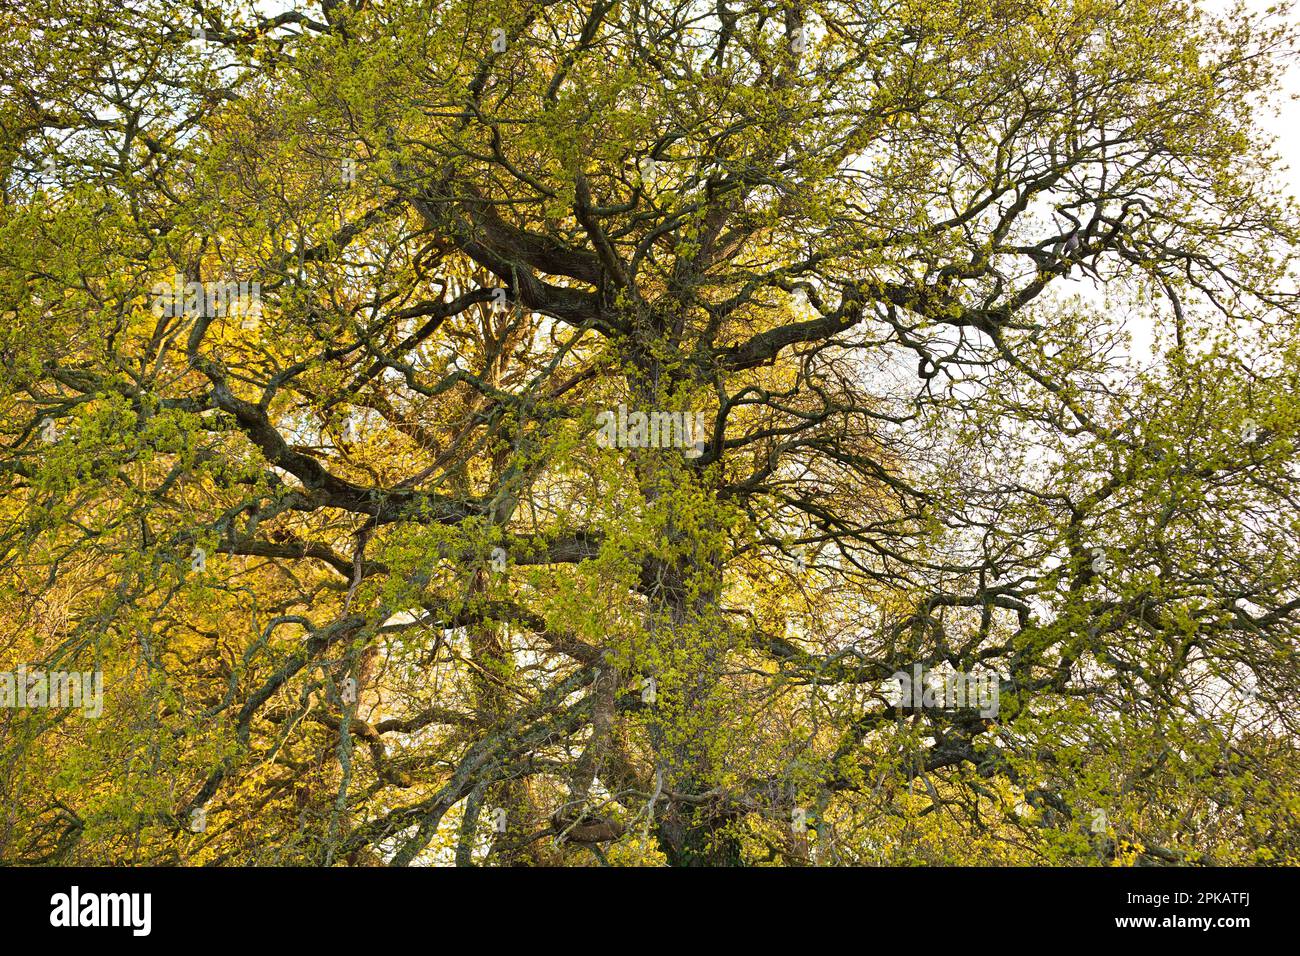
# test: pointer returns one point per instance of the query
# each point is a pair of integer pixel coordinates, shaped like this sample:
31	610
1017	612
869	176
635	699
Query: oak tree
538	432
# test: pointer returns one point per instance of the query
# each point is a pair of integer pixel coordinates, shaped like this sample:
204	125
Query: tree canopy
538	432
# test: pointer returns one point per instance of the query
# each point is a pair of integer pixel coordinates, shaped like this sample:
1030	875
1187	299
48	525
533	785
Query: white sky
1281	120
1286	124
